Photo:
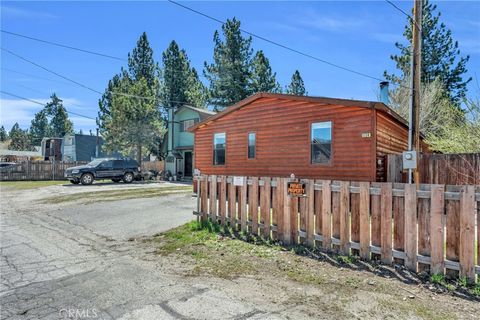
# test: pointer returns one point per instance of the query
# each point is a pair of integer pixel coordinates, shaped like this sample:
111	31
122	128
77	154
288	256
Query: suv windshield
95	163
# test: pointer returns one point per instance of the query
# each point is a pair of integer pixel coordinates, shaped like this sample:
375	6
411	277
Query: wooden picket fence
431	229
37	170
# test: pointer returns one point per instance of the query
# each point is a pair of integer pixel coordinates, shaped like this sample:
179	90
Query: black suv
115	169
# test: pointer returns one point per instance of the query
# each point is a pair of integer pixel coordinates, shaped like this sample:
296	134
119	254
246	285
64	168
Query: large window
219	142
251	145
321	142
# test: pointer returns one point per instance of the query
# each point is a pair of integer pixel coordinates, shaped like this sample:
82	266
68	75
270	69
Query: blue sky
359	35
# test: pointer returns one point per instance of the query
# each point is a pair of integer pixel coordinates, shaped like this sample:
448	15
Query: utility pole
415	75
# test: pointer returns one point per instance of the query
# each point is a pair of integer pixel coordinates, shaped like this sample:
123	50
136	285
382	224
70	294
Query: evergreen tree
180	83
105	102
60	125
296	86
229	74
39	128
129	118
134	123
440	55
19	139
263	79
3	134
141	63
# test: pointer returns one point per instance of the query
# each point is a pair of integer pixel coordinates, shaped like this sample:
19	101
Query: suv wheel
86	179
128	177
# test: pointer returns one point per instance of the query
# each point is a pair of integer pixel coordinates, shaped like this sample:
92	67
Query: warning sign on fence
296	189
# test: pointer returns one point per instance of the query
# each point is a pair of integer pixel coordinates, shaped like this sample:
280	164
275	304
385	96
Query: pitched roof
324	100
204	113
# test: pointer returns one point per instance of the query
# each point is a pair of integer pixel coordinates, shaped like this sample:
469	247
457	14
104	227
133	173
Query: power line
89	88
280	45
43	104
63	45
50	71
78	49
403	12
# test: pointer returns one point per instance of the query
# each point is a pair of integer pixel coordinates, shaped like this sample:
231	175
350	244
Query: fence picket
467	233
318	210
411	227
204	197
310	213
232	204
222	201
213	198
437	235
287	232
326	214
279	192
242	205
345	217
386	221
253	204
265	192
365	220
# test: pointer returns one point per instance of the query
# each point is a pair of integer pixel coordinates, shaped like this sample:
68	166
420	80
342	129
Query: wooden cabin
276	135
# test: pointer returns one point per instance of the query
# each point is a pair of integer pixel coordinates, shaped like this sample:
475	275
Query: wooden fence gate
433	228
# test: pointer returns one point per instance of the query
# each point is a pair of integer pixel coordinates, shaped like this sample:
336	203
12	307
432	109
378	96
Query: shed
80	147
271	134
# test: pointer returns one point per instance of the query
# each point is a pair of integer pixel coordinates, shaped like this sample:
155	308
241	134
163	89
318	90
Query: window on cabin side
251	145
321	142
219	143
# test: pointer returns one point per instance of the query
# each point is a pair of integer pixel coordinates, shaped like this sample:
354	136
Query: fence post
253	204
204	199
222	201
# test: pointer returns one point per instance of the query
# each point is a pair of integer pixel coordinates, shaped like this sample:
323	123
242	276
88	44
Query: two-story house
179	159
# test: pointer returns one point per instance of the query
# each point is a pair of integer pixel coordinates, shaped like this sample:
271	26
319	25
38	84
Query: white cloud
327	22
22	13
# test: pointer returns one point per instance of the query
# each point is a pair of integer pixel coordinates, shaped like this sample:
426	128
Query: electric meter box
409	160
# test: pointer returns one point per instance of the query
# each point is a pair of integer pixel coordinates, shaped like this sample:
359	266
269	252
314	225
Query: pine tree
180	83
3	134
135	123
19	139
141	63
60	125
296	86
39	128
440	55
229	74
263	79
129	118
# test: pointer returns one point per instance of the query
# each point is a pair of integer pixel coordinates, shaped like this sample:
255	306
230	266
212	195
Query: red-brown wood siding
282	129
392	137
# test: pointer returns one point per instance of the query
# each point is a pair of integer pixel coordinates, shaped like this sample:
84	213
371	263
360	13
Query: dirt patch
115	195
335	285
